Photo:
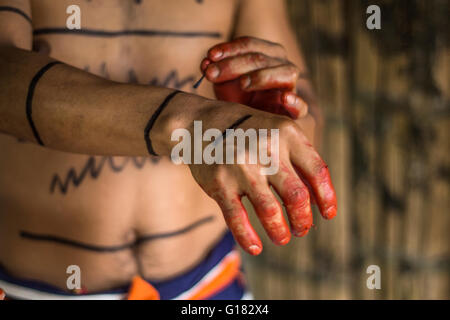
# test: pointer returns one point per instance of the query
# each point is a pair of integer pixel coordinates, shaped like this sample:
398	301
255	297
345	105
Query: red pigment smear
328	202
237	221
299	209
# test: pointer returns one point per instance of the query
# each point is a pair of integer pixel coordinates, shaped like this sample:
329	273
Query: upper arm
15	24
268	20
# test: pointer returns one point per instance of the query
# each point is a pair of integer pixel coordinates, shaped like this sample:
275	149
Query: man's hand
2	295
300	167
256	73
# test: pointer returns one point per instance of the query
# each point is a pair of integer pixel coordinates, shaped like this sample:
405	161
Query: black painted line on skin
236	124
93	169
121	33
172	80
16	10
29	102
106	249
233	126
239	122
73	243
174	233
152	120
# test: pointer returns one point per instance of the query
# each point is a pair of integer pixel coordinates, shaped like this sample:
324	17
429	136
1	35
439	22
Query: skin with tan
94	182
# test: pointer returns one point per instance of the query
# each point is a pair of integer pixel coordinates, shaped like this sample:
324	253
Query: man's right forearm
67	109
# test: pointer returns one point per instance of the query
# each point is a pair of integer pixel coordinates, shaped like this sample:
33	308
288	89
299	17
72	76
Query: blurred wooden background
386	98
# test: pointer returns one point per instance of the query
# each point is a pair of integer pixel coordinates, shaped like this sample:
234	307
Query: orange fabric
227	272
225	276
142	290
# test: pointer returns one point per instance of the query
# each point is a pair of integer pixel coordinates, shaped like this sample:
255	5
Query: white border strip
23	293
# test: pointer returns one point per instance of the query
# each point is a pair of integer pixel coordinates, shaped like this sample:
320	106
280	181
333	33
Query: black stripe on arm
152	120
121	33
236	124
233	126
29	102
109	249
15	10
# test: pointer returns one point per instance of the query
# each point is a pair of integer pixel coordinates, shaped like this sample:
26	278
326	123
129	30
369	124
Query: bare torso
108	202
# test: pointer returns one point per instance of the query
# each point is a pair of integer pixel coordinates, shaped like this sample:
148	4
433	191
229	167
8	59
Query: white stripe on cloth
23	293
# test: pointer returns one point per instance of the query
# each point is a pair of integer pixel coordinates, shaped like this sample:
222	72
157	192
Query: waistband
216	277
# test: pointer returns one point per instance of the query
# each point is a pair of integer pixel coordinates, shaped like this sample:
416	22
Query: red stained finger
315	170
275	101
270	213
234	67
2	294
204	64
245	45
278	77
296	198
312	198
237	220
295	105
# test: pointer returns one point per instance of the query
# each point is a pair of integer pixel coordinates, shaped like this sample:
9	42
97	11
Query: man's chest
143	41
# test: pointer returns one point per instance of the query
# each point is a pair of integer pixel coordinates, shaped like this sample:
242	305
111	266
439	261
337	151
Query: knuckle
244	171
258	59
261	76
298	196
293	70
244	40
268	208
287	127
280	48
215	188
320	168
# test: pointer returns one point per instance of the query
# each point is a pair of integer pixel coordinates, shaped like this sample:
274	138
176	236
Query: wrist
179	113
185	110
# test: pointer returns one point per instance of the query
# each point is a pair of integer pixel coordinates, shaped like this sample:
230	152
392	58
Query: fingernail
254	250
213	71
330	213
205	63
217	54
246	82
292	100
300	233
284	241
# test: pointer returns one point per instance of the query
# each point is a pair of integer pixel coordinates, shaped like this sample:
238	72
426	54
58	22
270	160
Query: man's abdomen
114	217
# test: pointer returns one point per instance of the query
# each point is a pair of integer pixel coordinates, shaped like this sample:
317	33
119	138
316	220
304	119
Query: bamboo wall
385	96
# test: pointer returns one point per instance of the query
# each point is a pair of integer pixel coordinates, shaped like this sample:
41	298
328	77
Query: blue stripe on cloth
234	291
167	289
171	288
